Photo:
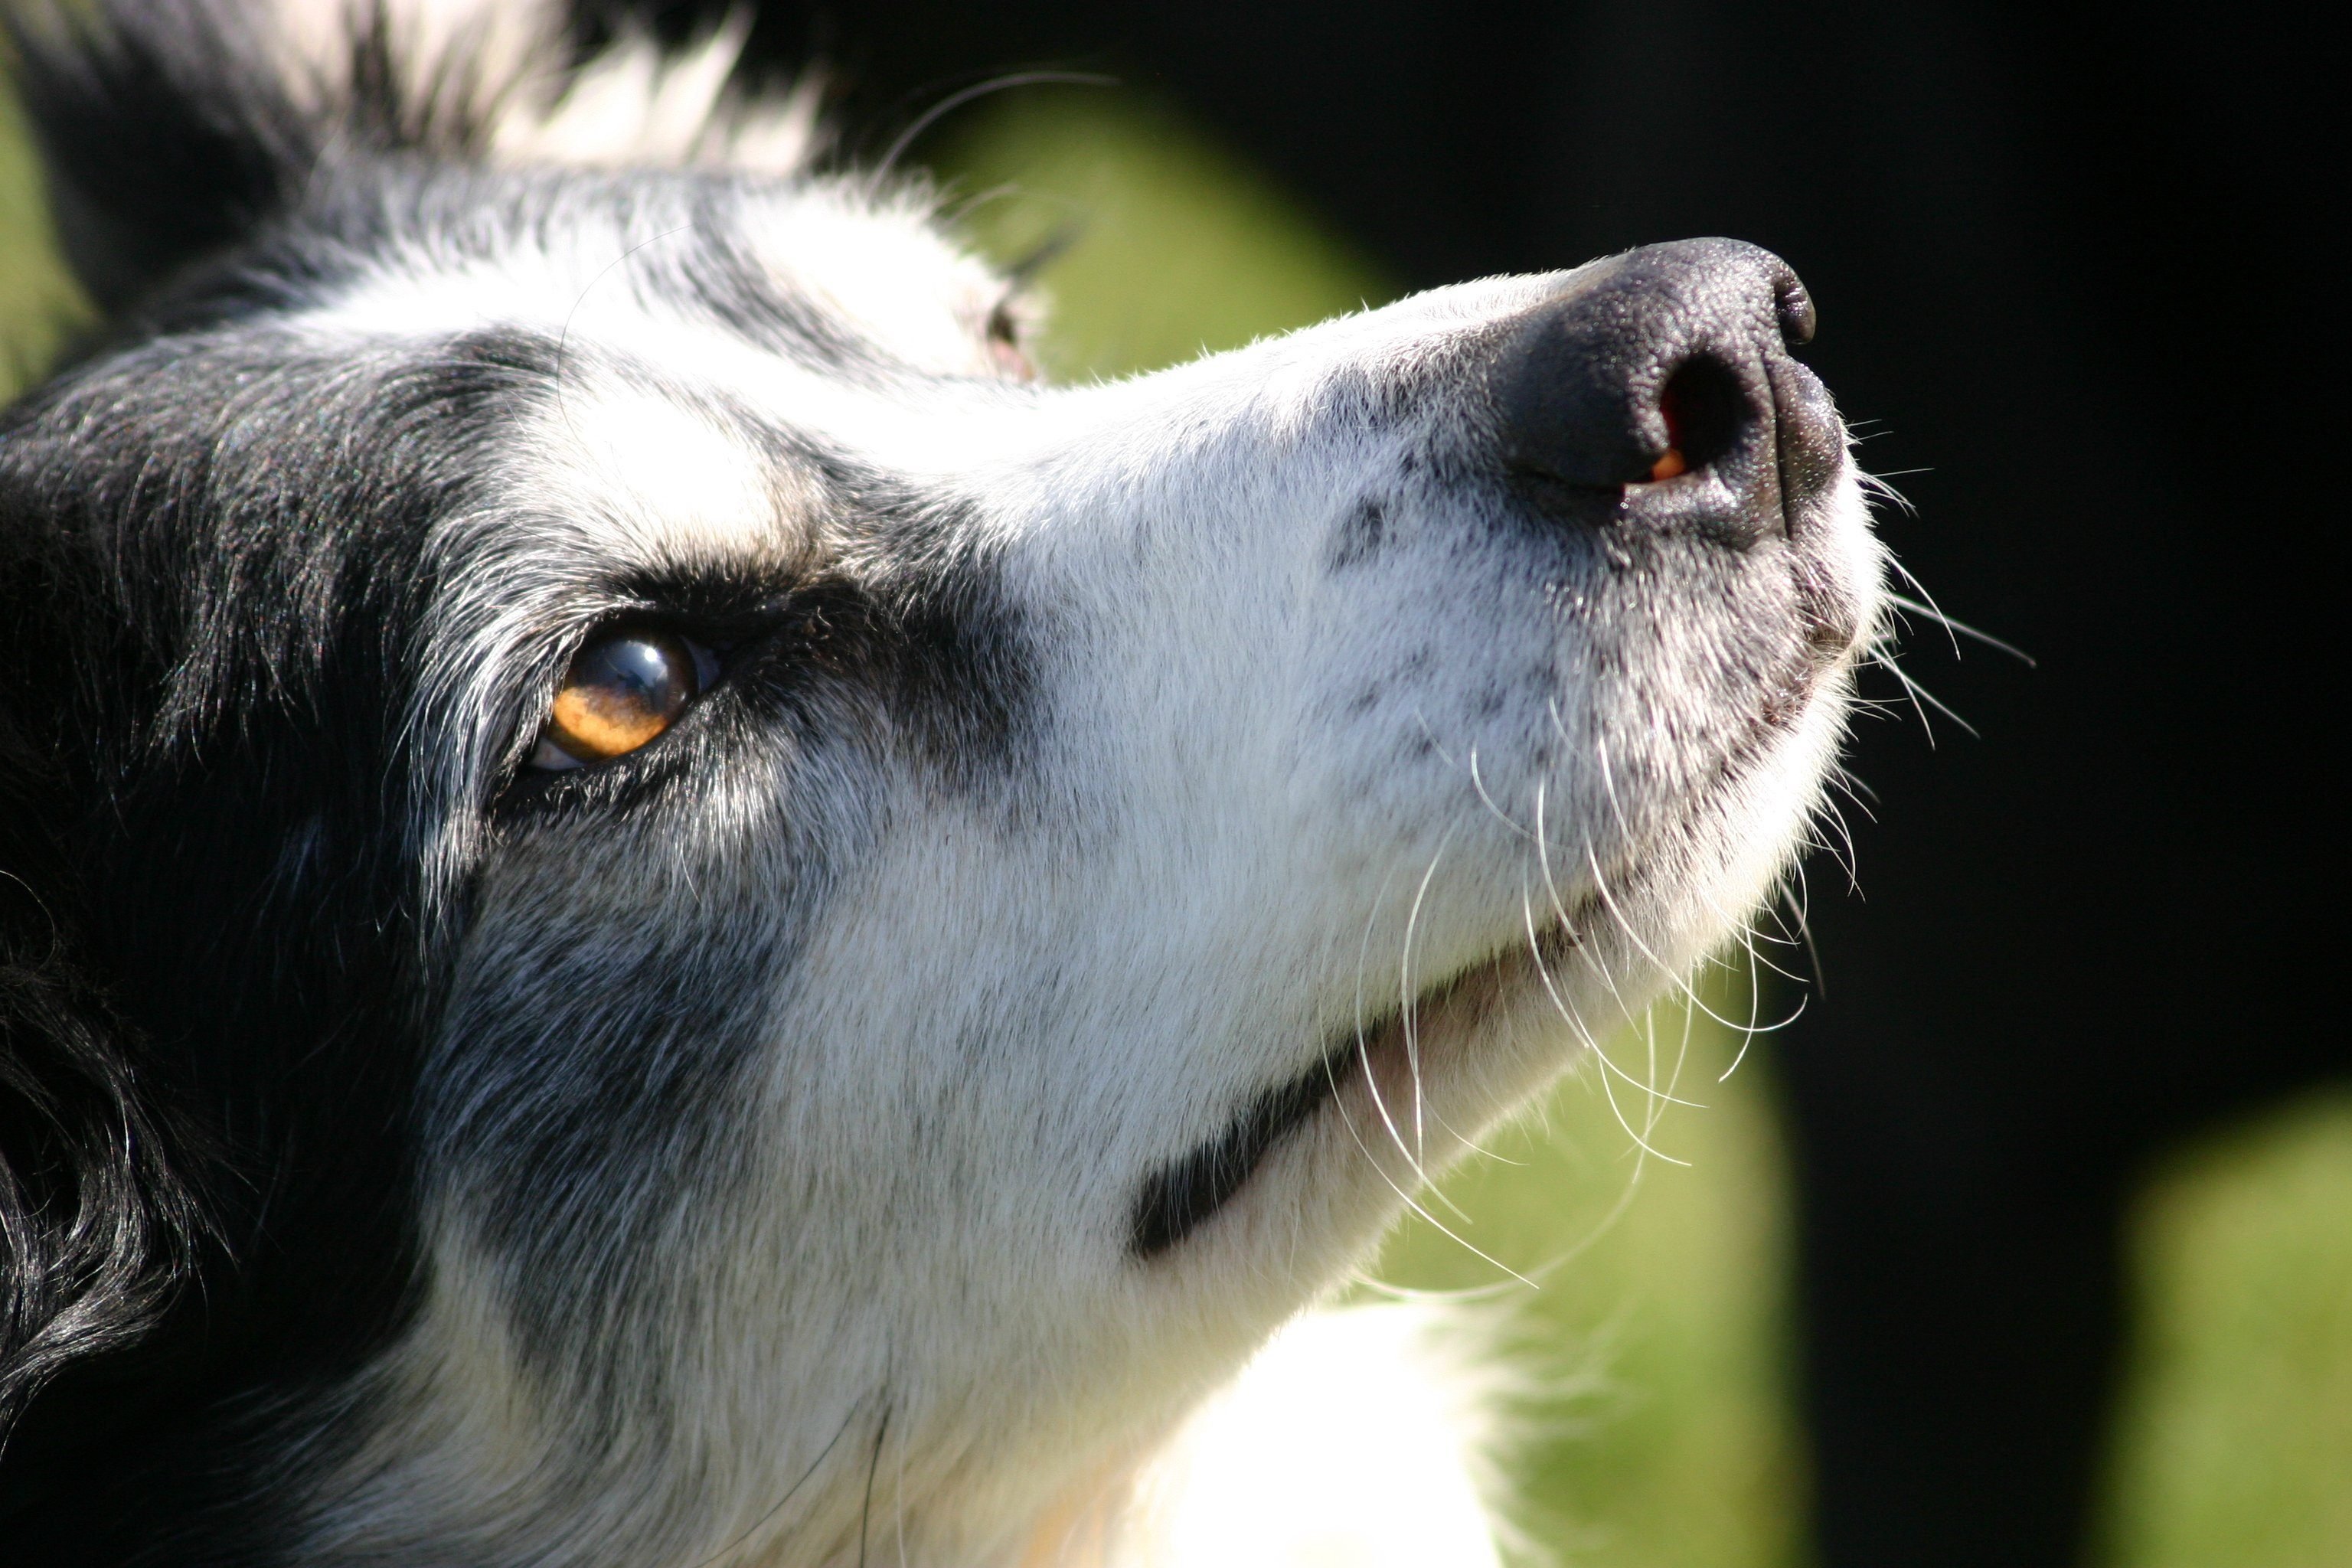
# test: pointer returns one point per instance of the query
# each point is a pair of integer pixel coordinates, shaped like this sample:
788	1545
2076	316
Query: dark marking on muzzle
1361	533
1183	1195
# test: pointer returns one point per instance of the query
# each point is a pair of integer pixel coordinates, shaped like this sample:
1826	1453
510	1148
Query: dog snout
1656	389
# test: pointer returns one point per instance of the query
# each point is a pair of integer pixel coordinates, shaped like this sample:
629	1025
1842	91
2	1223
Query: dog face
876	925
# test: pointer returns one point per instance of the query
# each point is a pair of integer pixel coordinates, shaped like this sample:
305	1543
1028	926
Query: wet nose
1656	389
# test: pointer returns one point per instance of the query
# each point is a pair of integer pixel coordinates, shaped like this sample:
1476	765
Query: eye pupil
621	691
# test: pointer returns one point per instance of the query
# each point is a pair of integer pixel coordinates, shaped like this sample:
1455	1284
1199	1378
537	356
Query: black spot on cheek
1359	535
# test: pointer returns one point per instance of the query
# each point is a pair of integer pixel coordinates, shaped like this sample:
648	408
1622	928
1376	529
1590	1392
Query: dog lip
1188	1191
1183	1195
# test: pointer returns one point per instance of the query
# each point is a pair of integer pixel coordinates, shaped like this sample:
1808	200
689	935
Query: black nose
1656	389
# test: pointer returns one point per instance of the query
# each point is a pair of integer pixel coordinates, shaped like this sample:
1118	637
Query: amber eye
623	691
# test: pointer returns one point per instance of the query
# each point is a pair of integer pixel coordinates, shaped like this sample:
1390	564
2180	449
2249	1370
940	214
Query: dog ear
165	131
97	1229
171	130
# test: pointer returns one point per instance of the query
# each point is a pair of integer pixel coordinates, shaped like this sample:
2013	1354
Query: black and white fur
1138	830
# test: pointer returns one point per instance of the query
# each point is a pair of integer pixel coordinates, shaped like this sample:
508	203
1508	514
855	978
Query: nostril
1794	307
1703	408
1672	462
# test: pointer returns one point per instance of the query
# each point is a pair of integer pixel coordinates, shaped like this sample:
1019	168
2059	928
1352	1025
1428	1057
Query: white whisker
1408	1003
1956	629
1412	1204
1363	1044
1919	693
1584	1037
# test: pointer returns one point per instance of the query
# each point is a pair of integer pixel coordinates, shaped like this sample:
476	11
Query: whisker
1443	1228
865	1511
1584	1037
1559	912
1409	1008
1956	628
1537	1274
1608	902
1543	863
1805	930
1364	1043
1919	693
1488	801
906	139
1749	1038
1876	484
791	1491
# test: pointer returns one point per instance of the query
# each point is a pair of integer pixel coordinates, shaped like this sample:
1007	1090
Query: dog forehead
692	332
657	477
661	264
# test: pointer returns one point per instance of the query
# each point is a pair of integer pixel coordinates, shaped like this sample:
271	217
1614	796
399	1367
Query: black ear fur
96	1228
171	130
166	131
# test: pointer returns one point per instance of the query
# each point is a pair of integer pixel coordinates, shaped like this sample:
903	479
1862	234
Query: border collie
658	913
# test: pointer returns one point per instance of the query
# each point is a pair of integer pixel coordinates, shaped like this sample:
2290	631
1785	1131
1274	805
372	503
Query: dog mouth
1185	1194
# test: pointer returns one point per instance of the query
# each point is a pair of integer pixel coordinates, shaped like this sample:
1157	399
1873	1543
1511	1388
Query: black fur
169	136
209	602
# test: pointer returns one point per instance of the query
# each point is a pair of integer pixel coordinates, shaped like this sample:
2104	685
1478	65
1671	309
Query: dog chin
1402	1096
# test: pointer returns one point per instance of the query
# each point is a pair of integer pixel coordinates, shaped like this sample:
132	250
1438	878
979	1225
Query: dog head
763	923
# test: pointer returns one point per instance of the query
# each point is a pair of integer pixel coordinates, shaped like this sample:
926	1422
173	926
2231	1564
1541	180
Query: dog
658	911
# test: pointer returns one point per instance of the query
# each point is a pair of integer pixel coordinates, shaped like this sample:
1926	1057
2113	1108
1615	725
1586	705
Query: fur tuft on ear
172	129
636	105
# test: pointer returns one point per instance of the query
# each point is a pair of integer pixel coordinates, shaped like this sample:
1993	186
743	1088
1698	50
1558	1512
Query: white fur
1350	1441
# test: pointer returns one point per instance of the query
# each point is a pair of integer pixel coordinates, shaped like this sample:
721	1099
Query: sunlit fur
763	1115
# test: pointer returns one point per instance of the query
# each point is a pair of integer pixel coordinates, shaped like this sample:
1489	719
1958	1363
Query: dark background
2073	268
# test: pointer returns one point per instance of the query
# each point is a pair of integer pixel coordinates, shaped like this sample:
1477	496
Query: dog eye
1005	344
623	691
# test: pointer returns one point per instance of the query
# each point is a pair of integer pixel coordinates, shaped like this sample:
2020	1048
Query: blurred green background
1661	1435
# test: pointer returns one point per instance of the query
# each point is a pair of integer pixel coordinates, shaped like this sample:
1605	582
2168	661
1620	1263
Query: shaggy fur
1132	833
